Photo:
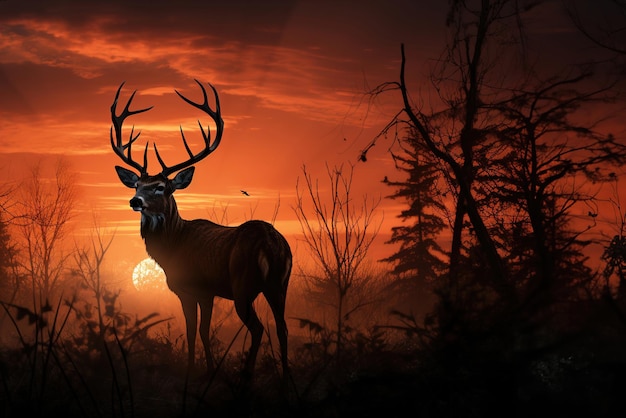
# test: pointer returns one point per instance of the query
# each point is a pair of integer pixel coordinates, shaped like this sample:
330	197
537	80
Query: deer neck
161	225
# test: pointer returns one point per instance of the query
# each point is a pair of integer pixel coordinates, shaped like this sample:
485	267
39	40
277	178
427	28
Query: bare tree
520	150
456	133
46	207
338	234
483	105
549	146
101	319
607	33
88	260
9	274
10	277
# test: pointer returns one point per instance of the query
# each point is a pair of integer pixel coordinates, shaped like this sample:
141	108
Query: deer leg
206	311
248	315
190	311
276	301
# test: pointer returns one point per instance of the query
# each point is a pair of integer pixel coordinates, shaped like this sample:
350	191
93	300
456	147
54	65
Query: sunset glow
316	208
292	81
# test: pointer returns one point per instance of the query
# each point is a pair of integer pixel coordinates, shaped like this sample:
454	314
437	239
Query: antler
216	115
117	146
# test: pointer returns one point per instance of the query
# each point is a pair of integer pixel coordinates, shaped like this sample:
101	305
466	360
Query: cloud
278	77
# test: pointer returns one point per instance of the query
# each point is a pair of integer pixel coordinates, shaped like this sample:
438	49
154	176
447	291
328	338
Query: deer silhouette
202	259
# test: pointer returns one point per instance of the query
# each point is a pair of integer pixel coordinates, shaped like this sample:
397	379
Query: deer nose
136	203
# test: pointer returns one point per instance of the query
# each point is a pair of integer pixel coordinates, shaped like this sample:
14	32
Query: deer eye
159	189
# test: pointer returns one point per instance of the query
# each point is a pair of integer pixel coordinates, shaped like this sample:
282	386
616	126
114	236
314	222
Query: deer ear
127	177
183	179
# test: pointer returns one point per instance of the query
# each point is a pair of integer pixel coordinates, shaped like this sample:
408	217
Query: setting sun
148	275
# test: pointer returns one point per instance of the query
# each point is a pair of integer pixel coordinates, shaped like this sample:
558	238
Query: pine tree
420	259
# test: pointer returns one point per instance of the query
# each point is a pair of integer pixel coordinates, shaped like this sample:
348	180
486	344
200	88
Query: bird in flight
245	193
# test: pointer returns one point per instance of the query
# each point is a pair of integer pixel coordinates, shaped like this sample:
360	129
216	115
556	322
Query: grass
70	360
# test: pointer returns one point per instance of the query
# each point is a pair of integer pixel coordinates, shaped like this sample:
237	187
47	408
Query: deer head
153	192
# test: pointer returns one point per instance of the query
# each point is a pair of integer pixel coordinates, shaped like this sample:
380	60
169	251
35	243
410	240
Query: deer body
202	259
210	261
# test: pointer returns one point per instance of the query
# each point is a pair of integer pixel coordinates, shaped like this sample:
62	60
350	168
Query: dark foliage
123	371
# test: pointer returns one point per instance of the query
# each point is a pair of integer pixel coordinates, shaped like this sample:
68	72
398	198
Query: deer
202	259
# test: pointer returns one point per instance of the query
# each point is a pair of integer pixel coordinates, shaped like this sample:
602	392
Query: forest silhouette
494	303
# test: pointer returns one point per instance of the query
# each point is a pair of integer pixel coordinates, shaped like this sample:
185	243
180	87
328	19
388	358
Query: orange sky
291	77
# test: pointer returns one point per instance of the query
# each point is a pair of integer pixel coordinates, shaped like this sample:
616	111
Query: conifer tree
419	259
